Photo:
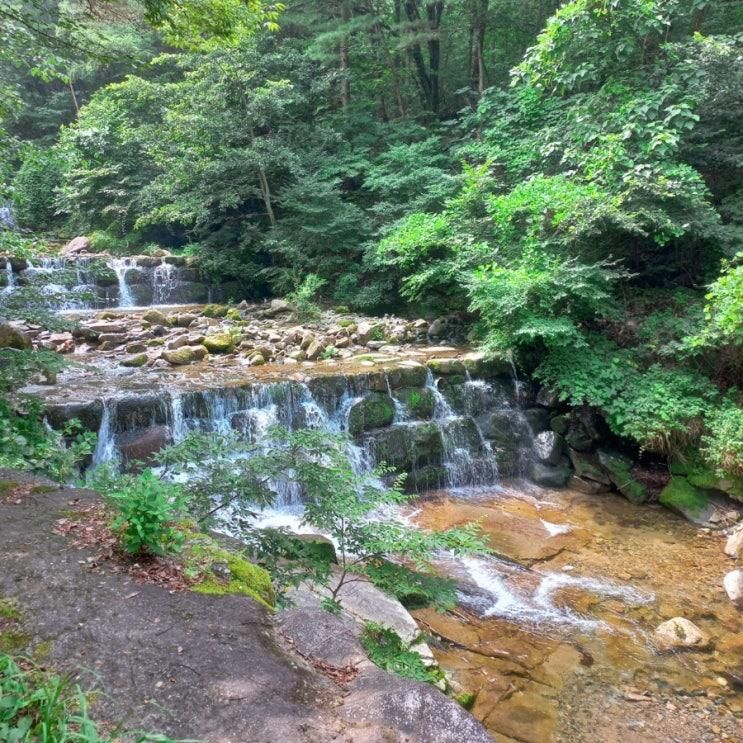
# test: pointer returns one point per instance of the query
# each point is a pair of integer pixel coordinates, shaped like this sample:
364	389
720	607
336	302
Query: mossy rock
466	699
240	576
419	402
215	310
219	343
341	309
155	317
12	338
137	360
180	356
233	314
619	469
685	499
13	641
446	367
9	609
346	322
376	410
410	447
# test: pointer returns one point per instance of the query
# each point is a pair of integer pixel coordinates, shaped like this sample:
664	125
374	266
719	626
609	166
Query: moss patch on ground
226	572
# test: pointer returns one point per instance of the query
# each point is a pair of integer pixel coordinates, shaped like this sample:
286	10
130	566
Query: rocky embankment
220	669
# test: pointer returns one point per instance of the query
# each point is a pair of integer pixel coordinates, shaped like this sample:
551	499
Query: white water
120	267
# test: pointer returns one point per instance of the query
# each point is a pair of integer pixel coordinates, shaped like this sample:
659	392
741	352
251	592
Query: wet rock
589	487
219	343
138	360
734	543
619	469
733	585
10	337
680	633
376	410
155	317
686	500
136	347
409	447
549	476
587	466
547	397
88	413
538	419
444	367
418	401
76	246
548	447
180	356
578	438
179	341
139	446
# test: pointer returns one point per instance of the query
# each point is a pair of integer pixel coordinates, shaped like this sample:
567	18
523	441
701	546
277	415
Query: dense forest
566	176
548	193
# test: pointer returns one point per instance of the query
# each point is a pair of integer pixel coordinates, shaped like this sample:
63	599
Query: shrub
34	188
147	511
303	297
723	442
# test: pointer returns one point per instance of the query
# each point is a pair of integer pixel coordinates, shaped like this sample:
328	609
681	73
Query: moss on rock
215	310
376	410
135	361
681	496
219	343
418	401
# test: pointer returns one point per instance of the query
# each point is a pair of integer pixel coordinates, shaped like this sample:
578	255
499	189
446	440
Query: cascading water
121	266
9	287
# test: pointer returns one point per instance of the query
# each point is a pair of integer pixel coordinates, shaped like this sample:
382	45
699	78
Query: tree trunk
266	193
478	64
343	53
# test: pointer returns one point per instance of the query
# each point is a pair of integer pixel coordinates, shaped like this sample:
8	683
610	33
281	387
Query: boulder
734	543
278	307
219	343
12	338
733	585
538	419
619	469
77	246
683	498
548	447
179	341
549	476
182	320
139	446
180	356
418	402
680	633
438	327
215	310
588	467
376	410
315	349
138	360
367	331
257	360
155	317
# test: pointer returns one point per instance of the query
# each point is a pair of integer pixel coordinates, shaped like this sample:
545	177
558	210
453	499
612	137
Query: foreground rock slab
193	666
679	633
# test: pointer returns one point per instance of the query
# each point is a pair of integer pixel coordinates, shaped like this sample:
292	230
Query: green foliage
723	442
386	649
34	188
40	707
412	588
662	409
304	295
147	510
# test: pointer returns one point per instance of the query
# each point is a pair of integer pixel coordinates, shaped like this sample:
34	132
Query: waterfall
9	287
164	283
120	267
105	448
7	219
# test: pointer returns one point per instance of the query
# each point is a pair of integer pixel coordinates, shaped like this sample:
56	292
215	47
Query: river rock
619	469
179	341
155	317
444	367
139	446
315	349
219	343
77	246
548	447
679	633
138	360
588	467
686	500
367	331
107	327
376	410
136	347
589	487
549	476
733	585
438	327
257	360
538	419
180	356
182	320
418	402
278	307
734	543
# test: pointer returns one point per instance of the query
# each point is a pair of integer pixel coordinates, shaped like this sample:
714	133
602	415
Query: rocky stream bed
558	637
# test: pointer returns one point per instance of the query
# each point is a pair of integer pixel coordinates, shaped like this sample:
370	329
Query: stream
553	633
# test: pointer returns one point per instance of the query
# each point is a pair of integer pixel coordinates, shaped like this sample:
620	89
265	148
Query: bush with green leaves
723	441
304	296
387	650
26	442
34	188
147	510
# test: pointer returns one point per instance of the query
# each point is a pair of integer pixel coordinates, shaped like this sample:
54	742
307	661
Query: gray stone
550	476
548	447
